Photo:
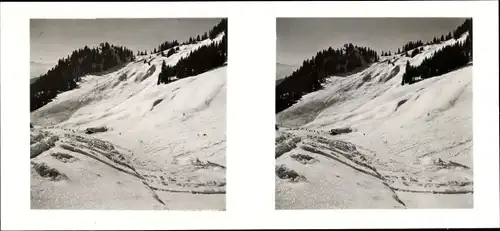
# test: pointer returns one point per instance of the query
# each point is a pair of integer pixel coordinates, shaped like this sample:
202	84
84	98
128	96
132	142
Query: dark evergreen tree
464	27
313	72
412	45
448	37
407	76
443	61
415	52
171	52
68	71
219	28
164	77
198	61
167	45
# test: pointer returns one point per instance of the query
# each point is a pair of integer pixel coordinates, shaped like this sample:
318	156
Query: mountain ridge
401	146
120	140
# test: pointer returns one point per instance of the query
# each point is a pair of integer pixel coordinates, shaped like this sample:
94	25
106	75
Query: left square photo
128	113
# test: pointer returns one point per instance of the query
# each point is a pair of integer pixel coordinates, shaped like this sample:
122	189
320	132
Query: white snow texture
410	145
164	147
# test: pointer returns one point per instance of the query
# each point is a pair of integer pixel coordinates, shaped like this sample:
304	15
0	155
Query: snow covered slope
410	146
164	148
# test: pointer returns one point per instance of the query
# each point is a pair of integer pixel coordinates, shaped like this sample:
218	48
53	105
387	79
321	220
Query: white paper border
250	118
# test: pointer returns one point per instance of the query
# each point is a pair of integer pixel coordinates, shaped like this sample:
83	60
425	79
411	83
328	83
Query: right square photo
374	113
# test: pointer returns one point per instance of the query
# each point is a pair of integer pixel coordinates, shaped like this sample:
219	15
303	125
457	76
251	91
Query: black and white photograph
384	115
128	113
374	113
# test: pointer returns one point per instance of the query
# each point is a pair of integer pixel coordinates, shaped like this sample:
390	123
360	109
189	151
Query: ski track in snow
410	146
164	148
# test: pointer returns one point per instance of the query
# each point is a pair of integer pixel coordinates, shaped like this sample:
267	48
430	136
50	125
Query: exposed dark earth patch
48	172
338	131
64	157
286	173
96	130
304	159
401	102
156	102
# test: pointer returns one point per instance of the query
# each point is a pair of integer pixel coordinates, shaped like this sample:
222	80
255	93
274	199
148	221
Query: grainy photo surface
128	113
374	113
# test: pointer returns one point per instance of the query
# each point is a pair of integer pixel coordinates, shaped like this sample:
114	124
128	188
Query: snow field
417	138
168	140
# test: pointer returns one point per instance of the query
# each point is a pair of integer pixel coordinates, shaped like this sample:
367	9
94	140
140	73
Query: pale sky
301	38
52	39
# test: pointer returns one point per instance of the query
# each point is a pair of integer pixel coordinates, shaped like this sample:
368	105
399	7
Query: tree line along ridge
68	71
313	72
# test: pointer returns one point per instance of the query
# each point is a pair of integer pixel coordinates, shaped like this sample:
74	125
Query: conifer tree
68	71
